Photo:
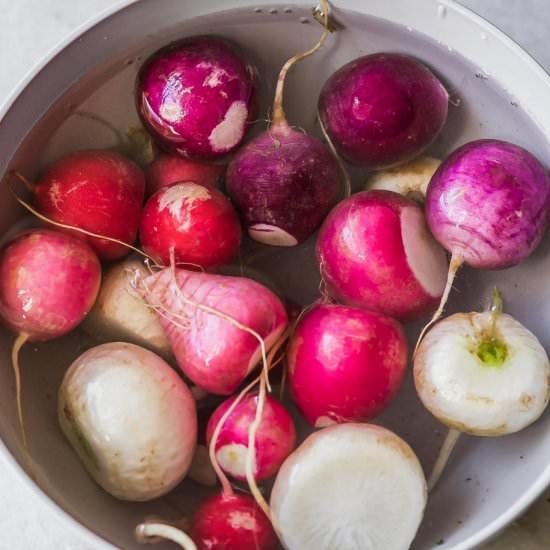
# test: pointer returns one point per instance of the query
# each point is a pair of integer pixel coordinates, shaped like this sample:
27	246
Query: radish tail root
443	457
278	111
454	266
147	532
17	345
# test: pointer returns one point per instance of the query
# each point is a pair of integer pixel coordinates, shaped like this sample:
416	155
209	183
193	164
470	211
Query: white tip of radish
352	486
478	385
425	256
231	129
175	196
232	459
272	235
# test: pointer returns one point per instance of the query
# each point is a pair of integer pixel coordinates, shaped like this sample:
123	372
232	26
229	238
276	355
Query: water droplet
455	101
273	11
514	103
257	10
441	11
105	38
482	75
288	10
484	37
410	29
129	62
304	20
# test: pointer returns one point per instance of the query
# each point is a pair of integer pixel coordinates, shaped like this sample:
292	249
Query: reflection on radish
275	437
383	109
97	191
284	181
345	364
197	97
352	486
375	251
130	418
482	374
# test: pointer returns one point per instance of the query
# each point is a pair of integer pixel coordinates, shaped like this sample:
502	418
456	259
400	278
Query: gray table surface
30	28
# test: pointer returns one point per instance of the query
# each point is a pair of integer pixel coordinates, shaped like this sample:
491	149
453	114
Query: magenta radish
130	418
48	283
345	364
353	486
97	191
197	97
167	169
375	251
215	324
197	223
383	109
284	181
275	437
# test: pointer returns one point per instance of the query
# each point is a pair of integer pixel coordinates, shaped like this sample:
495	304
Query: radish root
443	457
147	531
347	180
19	342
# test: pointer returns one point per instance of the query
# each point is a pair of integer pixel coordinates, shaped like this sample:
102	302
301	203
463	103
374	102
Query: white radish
352	487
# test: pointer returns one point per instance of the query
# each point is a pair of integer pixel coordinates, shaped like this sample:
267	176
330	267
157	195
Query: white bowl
497	91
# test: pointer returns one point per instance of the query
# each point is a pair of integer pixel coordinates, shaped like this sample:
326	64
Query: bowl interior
486	477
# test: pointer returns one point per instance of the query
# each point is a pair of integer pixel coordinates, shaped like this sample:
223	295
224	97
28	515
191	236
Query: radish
275	438
352	487
284	181
219	327
48	283
345	364
167	169
130	418
96	191
120	313
375	251
410	179
488	205
196	222
383	109
483	374
197	97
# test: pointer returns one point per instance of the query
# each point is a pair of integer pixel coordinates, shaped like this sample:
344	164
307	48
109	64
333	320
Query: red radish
284	182
275	437
48	283
345	364
97	191
215	324
197	223
167	169
375	251
197	97
382	109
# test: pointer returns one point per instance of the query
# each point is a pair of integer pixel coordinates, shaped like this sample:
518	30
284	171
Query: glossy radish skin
488	204
48	283
283	182
275	437
197	222
130	418
375	251
232	522
210	350
168	169
99	191
197	97
383	109
345	364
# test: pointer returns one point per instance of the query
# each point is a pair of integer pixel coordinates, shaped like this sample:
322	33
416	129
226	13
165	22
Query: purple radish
382	110
284	182
197	97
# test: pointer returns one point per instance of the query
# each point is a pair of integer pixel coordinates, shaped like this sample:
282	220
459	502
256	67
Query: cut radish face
352	487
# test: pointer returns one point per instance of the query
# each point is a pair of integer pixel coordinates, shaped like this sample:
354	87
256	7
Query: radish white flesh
352	487
120	313
130	418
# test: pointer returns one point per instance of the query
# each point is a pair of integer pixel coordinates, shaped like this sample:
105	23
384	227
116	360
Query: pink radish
284	182
375	251
383	109
215	324
275	437
197	97
48	283
97	191
345	364
167	169
197	223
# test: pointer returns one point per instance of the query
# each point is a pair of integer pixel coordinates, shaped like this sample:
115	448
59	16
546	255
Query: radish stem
443	457
148	530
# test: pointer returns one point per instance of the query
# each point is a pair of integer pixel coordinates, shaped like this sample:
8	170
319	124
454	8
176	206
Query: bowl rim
85	533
